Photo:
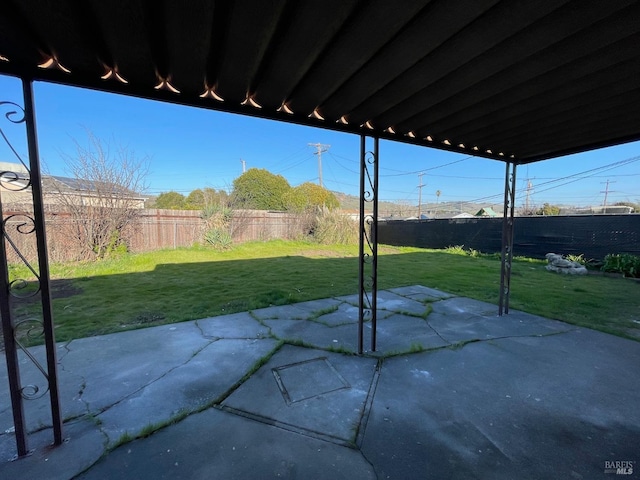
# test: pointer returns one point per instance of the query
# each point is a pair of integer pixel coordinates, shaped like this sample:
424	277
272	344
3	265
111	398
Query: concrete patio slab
345	313
206	377
390	302
459	394
38	410
84	445
463	305
321	393
122	362
530	407
469	327
315	335
421	293
296	311
236	325
403	334
216	445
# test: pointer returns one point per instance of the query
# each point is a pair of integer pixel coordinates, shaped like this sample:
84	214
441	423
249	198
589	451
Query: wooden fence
154	229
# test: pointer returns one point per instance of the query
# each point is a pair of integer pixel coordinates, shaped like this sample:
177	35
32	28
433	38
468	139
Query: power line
430	168
571	178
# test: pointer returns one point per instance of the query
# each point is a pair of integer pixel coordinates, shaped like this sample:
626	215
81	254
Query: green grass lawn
185	284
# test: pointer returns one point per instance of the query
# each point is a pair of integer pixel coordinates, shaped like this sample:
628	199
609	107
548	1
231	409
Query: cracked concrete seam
261	322
197	325
151	382
437	333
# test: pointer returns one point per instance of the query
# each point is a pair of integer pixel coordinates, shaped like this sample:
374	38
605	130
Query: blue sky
192	148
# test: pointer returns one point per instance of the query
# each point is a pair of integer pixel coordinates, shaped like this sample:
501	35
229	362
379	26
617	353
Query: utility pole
420	185
244	165
606	192
526	203
320	148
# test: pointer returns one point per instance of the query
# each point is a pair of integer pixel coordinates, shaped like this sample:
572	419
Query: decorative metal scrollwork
368	241
15	115
14	182
507	238
19	333
23	224
16	290
25	332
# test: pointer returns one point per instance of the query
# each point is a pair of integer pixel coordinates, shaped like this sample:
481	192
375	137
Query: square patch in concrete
307	379
329	410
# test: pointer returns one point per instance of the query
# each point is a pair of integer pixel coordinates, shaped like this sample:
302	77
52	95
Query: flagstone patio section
454	391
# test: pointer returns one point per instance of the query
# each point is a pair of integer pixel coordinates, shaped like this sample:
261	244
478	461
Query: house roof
511	80
56	183
486	212
15	177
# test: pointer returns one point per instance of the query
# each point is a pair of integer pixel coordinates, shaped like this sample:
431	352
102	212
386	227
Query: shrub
218	230
333	227
576	258
219	238
624	263
460	250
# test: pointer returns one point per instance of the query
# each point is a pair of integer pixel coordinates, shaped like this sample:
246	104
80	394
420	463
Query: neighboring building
609	209
486	212
15	177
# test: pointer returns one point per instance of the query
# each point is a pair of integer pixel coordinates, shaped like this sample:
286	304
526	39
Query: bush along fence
593	236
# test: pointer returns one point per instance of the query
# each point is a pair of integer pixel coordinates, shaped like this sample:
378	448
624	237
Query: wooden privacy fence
157	228
154	229
248	225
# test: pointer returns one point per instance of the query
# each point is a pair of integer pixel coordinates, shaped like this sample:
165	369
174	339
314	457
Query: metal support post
507	237
10	347
361	258
374	246
17	334
368	243
43	260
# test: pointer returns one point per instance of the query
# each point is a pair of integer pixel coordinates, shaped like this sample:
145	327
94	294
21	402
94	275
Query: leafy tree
310	196
214	197
548	209
171	201
260	189
195	200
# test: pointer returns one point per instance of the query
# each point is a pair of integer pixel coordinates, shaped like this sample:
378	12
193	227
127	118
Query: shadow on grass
173	292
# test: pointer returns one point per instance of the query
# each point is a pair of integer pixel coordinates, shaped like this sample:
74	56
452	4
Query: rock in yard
559	264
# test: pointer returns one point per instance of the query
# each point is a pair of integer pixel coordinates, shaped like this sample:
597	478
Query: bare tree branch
103	194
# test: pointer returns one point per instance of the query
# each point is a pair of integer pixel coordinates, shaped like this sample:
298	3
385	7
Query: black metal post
374	246
507	237
368	243
43	260
10	348
361	220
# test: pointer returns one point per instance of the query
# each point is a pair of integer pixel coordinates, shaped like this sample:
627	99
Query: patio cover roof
518	81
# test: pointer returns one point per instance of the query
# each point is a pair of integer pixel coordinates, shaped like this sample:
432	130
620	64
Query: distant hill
386	209
432	210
